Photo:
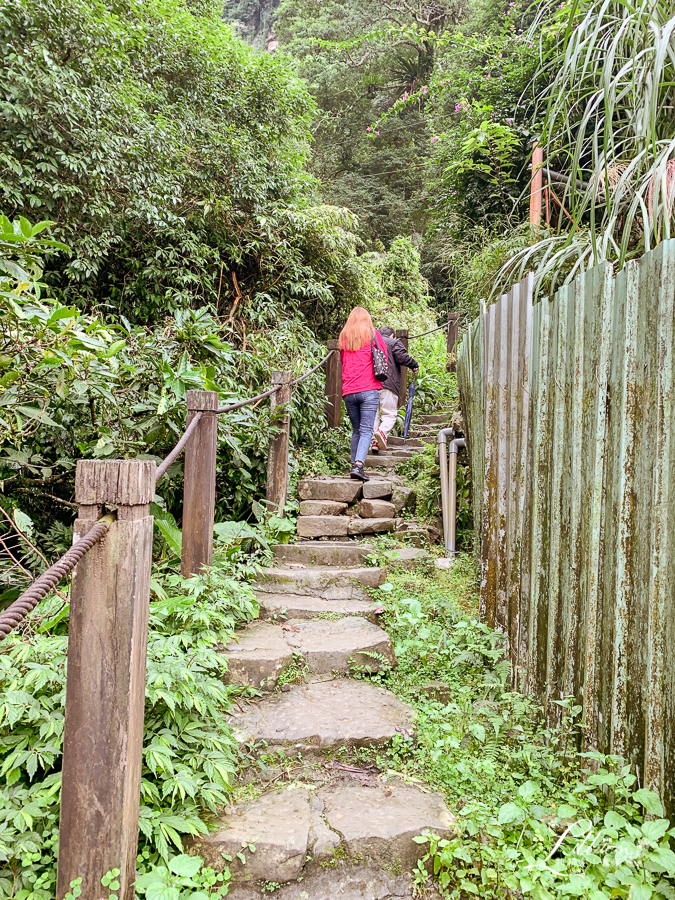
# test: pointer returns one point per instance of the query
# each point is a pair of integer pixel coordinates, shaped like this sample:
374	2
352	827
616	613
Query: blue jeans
362	408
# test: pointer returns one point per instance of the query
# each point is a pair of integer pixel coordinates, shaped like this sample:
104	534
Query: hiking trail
315	821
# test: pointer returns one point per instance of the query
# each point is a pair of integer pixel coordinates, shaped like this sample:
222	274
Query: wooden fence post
199	491
334	386
453	333
277	458
402	335
105	692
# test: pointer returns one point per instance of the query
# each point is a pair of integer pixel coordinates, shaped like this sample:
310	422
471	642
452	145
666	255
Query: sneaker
374	448
358	473
380	440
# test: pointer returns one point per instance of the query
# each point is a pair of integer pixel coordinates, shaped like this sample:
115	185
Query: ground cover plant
535	818
189	754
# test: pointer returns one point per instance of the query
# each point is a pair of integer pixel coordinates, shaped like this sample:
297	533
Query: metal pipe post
452	504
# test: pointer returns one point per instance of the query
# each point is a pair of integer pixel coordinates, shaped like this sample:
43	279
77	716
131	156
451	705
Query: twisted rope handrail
30	598
233	406
431	331
175	453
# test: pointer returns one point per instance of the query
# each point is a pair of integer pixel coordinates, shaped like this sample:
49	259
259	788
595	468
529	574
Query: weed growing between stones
297	670
536	818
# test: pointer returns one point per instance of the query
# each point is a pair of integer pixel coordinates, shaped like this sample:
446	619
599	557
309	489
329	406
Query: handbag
380	367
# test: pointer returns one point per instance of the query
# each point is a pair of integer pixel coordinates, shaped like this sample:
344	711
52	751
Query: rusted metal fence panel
470	379
575	399
504	396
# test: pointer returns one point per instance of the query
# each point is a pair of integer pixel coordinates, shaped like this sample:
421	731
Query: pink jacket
357	368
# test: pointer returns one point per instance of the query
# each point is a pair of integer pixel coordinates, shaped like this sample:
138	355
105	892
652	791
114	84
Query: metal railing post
277	459
199	492
105	691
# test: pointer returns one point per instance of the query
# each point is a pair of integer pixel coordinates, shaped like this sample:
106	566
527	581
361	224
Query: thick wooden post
537	184
402	335
334	386
105	691
453	333
199	492
277	458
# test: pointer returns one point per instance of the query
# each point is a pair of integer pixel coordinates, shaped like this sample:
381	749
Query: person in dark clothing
397	356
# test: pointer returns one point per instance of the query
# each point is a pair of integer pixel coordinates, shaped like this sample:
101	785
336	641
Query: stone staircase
319	823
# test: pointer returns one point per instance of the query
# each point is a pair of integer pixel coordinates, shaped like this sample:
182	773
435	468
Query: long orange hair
357	331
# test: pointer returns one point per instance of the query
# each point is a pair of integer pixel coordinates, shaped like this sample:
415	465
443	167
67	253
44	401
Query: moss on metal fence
569	406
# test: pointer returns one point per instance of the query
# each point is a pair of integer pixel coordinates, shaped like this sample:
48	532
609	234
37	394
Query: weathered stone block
376	509
324	553
370	526
334	645
277	824
258	656
323	526
322	508
325	715
373	490
381	823
403	498
343	490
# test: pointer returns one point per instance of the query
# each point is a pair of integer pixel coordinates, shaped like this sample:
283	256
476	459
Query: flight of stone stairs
336	508
322	824
317	822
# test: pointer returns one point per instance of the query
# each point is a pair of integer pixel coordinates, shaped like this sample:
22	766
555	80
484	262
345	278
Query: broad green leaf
172	535
185	866
509	813
649	800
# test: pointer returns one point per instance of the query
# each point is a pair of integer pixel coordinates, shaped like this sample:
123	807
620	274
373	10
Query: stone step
411	443
322	508
322	526
341	489
263	650
384	460
325	715
434	419
378	489
337	553
327	582
371	526
324	553
298	606
376	509
339	879
295	830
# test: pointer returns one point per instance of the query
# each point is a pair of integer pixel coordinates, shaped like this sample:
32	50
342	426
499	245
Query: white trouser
385	418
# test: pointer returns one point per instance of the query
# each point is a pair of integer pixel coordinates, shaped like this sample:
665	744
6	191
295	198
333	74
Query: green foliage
76	386
152	136
189	754
535	818
606	121
183	878
379	177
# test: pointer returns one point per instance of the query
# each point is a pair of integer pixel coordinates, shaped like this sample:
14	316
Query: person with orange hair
360	387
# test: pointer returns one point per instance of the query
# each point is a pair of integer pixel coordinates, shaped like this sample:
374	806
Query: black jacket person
397	356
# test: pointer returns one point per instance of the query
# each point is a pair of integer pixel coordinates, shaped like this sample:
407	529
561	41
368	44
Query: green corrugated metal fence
569	412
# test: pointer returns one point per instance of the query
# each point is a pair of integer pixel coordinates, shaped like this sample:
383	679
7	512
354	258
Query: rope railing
178	449
26	603
431	331
241	403
29	599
